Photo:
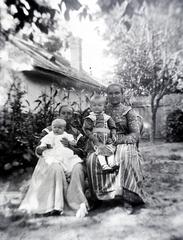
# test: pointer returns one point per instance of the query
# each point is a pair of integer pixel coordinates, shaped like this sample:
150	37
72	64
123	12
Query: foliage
47	108
34	19
82	96
174	126
53	44
148	55
26	12
41	13
41	21
37	20
17	141
20	129
149	59
129	9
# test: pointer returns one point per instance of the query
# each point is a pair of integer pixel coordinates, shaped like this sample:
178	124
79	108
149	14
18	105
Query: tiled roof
44	61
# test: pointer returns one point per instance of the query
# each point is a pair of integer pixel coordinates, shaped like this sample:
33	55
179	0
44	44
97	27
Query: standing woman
127	181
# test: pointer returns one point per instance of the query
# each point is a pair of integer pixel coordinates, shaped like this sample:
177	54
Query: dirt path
161	220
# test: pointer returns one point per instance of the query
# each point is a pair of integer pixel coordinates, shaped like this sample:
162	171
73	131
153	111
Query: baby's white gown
48	185
58	153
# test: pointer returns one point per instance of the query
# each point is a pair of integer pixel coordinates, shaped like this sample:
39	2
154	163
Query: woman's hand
130	140
125	140
40	149
114	138
49	146
95	141
65	142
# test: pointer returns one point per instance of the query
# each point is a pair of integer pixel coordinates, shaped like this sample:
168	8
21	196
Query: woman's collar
116	106
123	108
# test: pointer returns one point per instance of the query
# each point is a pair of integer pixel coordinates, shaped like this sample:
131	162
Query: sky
94	60
93	46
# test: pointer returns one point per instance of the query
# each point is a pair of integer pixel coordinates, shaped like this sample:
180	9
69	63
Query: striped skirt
126	182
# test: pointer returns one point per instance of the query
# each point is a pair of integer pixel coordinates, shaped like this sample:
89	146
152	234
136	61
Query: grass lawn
161	219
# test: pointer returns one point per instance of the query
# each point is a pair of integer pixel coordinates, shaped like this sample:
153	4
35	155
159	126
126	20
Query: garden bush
174	126
20	128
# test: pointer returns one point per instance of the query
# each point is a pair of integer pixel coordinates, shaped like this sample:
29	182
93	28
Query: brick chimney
76	52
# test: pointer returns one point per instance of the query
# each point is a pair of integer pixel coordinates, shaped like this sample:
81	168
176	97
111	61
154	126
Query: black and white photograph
91	119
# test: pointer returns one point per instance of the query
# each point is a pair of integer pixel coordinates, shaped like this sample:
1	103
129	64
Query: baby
101	131
53	150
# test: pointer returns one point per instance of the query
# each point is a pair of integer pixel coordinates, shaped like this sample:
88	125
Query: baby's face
58	129
97	106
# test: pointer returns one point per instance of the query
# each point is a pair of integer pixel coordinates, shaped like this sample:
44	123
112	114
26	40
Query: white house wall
35	88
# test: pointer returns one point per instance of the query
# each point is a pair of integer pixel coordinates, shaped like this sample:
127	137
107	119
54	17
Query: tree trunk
153	125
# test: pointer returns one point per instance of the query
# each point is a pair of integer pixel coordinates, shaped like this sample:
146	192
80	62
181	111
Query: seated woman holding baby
59	174
114	160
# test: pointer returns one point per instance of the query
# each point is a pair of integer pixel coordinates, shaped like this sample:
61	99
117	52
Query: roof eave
67	81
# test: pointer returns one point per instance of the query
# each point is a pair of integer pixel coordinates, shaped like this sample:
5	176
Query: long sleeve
133	129
79	149
111	125
87	128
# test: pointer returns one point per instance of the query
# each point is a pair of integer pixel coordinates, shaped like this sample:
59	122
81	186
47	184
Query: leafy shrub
174	126
20	129
46	110
14	131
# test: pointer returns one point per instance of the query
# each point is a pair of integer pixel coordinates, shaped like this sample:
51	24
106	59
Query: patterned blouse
127	125
101	121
